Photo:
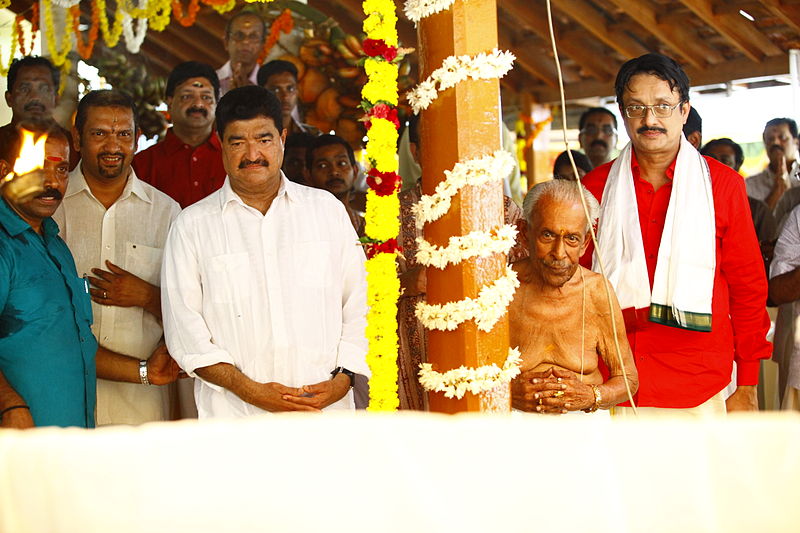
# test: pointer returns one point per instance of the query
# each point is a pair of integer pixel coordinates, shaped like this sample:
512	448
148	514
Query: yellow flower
382	145
382	84
381	21
382	294
382	216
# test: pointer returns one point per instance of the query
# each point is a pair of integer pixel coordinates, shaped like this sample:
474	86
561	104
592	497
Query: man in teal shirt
47	350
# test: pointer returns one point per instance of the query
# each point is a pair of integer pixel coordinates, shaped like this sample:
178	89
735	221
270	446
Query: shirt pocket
229	278
312	264
144	262
80	299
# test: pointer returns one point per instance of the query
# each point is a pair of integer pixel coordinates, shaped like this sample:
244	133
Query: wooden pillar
462	123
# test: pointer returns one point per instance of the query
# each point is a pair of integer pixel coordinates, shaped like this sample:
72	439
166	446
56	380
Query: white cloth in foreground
131	234
684	278
787	334
407	472
280	296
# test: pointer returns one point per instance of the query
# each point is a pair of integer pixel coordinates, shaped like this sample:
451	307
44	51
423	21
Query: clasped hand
554	391
278	397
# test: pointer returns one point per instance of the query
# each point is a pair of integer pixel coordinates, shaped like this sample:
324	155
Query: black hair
9	148
192	69
328	140
693	123
32	61
246	13
592	111
738	153
102	98
245	103
658	65
413	129
581	161
780	121
276	66
299	139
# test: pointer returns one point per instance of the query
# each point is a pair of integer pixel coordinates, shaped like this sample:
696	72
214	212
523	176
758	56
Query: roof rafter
739	31
788	13
587	16
534	17
678	38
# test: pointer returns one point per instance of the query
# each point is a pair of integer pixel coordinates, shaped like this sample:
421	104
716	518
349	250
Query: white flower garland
485	310
417	10
66	4
492	167
457	69
457	382
462	247
133	40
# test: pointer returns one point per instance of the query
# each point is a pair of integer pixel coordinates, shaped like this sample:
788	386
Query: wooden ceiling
712	39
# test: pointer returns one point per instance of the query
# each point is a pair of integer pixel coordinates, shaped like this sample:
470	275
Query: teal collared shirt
47	350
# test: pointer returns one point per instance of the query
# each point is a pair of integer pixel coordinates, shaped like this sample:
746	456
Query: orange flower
191	13
283	23
85	49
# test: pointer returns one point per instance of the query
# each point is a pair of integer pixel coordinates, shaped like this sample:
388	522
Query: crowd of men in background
215	254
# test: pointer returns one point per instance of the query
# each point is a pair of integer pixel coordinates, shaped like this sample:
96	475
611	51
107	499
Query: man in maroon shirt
684	367
187	164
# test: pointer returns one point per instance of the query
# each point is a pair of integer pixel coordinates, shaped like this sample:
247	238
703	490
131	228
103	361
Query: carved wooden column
462	123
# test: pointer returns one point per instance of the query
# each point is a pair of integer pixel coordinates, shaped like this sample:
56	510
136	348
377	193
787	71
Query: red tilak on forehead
54	158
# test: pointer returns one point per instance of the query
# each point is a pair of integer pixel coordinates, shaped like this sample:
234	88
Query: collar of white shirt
292	191
77	184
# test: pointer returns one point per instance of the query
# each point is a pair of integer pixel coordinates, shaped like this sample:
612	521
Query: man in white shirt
781	142
263	286
245	34
115	226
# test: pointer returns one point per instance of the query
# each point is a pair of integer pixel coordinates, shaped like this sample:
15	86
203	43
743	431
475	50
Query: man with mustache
560	316
116	225
331	166
264	287
781	142
681	252
187	164
598	134
47	350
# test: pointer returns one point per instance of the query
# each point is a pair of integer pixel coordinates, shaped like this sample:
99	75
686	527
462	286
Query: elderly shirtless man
561	309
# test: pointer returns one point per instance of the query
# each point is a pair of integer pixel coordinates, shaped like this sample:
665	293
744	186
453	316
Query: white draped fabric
346	471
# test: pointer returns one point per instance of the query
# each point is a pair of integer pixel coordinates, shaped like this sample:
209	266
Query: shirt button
653	221
108	246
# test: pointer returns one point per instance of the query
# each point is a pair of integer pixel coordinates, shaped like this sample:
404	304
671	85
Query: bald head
562	191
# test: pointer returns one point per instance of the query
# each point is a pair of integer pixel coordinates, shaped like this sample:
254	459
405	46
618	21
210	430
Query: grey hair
560	190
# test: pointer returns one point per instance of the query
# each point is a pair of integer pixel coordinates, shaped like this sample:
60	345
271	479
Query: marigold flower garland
457	382
58	53
383	207
5	65
85	49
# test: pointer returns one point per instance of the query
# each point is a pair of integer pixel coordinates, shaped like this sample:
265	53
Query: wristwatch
343	370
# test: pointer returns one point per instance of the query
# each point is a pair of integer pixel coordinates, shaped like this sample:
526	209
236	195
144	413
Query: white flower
462	247
454	70
455	383
485	310
490	167
417	10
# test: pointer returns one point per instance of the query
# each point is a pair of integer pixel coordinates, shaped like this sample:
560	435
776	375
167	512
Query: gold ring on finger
558	394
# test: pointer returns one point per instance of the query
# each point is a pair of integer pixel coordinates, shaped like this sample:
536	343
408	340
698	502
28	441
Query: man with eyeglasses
685	262
245	34
598	134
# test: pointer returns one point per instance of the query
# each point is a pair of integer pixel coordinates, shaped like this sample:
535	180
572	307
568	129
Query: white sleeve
352	352
787	249
185	330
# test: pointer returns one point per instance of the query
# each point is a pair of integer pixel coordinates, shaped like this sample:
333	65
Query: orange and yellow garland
383	207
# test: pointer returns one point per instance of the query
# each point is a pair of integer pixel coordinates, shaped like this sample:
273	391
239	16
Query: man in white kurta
263	287
111	220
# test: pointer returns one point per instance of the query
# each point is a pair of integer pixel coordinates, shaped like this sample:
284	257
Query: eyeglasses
659	110
594	130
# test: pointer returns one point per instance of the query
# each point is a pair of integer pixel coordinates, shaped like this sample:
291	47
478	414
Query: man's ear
76	139
5	168
8	98
695	139
522	232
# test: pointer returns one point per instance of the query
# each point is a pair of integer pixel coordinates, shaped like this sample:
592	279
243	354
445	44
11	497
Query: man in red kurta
187	164
684	358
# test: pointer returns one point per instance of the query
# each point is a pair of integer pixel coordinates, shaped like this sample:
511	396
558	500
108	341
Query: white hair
562	191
